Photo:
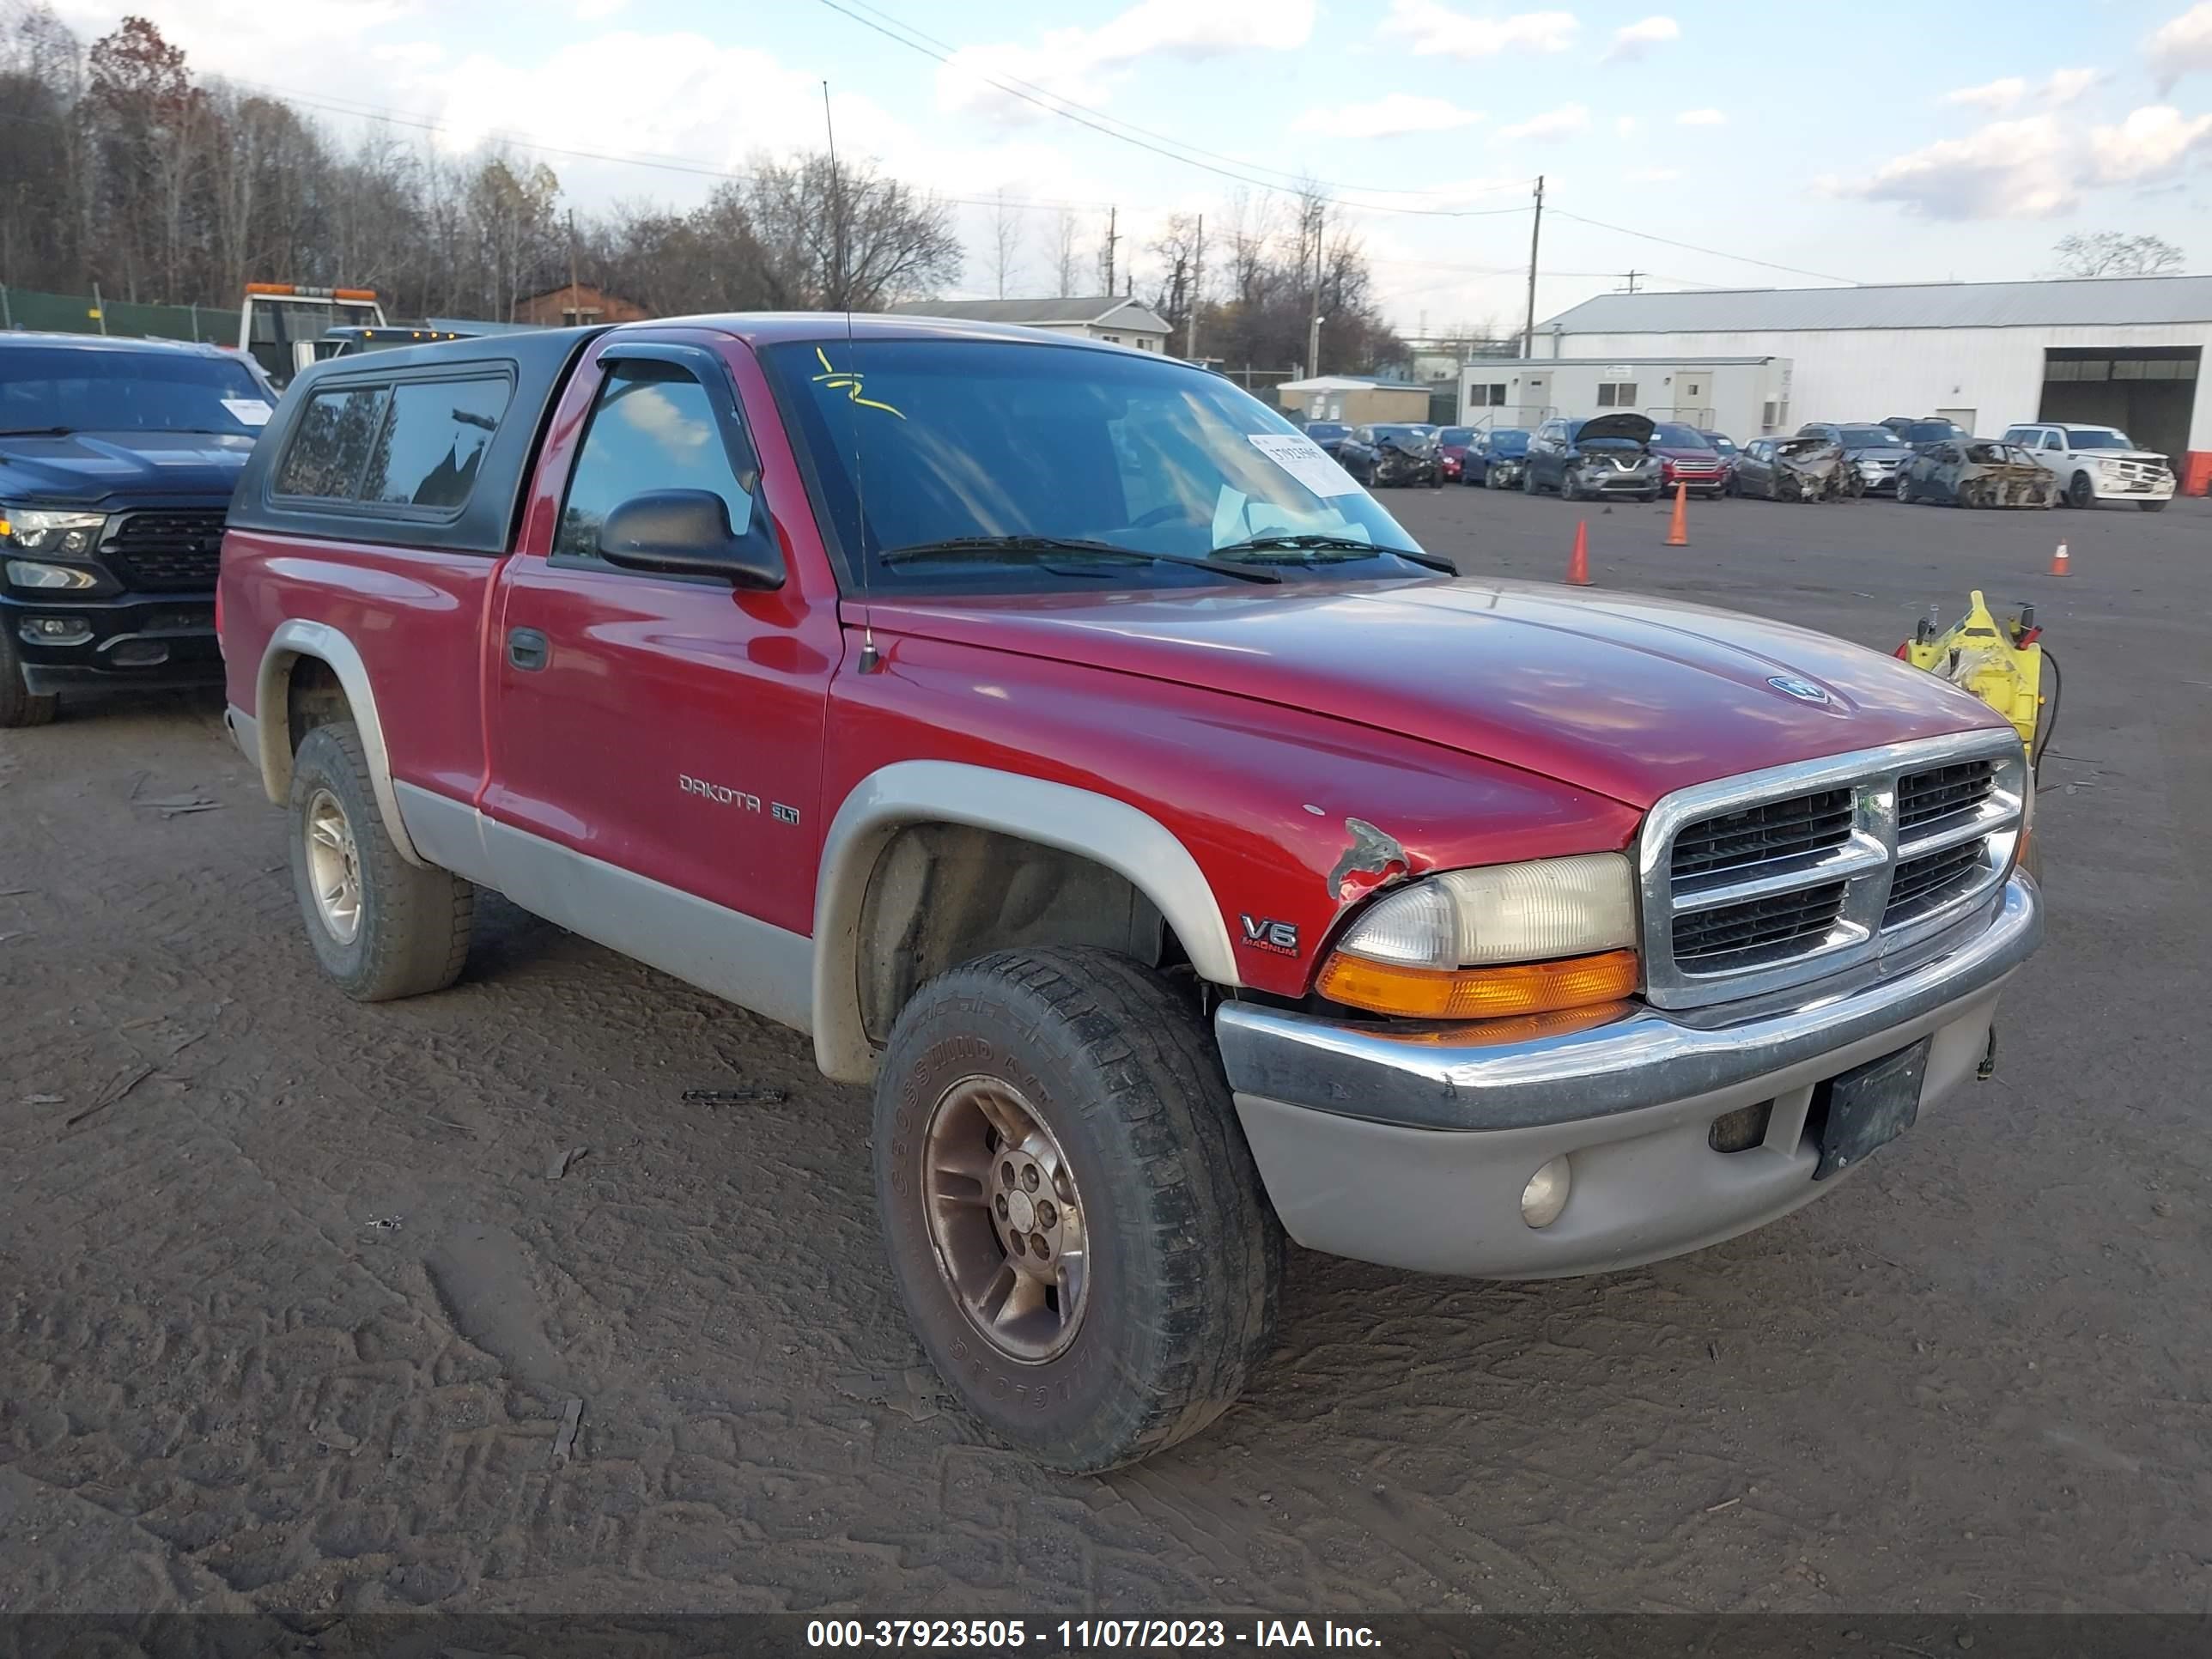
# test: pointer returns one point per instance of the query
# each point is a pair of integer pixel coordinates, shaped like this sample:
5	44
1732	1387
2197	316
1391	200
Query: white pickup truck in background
2098	463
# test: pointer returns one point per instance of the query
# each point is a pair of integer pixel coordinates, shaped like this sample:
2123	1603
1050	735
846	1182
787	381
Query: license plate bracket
1868	1106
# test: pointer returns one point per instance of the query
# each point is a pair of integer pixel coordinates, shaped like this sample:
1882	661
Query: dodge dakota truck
1184	856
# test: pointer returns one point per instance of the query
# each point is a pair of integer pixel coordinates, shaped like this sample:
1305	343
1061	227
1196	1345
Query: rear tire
1104	1073
20	706
381	927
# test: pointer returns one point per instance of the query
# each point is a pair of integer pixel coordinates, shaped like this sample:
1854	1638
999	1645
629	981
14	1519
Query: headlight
25	573
1511	939
35	530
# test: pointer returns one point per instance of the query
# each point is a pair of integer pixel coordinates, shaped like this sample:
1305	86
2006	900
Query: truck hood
103	468
1628	696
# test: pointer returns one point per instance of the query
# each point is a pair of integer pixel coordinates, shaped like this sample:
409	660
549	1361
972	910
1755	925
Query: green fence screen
81	313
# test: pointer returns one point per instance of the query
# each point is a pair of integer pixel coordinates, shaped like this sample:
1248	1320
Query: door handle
527	648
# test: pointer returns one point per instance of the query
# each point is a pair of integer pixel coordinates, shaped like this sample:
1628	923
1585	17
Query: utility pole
1111	239
1632	276
1197	278
1313	323
1536	233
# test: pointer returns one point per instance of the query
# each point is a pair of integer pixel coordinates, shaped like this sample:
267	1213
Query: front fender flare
1121	836
291	641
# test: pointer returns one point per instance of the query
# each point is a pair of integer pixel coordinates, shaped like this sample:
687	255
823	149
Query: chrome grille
1763	834
1924	798
1755	883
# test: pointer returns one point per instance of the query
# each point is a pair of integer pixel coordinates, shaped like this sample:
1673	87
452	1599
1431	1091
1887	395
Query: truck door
647	725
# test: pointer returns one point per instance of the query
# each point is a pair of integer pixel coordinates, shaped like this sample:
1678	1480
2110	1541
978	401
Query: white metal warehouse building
2126	351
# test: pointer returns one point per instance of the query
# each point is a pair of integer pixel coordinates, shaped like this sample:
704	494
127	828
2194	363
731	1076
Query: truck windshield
970	440
97	389
2097	437
1867	437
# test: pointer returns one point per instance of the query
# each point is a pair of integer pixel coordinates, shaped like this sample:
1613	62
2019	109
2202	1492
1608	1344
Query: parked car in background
1685	458
1180	856
1925	429
1800	469
2097	462
1603	455
117	461
1724	447
1497	458
1876	451
1977	472
1452	445
1403	453
1329	435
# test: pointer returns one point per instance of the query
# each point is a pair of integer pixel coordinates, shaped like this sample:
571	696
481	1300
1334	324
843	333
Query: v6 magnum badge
1262	934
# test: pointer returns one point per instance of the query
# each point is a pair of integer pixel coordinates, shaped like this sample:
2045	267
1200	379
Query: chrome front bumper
1410	1147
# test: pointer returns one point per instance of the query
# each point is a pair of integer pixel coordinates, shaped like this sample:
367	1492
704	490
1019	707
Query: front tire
20	706
2150	507
2082	492
1070	1103
380	926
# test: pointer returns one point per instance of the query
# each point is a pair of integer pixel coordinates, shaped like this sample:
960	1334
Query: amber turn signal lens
1530	988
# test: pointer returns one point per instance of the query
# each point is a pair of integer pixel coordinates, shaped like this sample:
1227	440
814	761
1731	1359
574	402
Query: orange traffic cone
1579	561
2060	564
1678	533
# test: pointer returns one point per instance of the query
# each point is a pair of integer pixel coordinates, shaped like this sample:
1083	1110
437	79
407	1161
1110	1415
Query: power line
1068	112
1645	236
1057	103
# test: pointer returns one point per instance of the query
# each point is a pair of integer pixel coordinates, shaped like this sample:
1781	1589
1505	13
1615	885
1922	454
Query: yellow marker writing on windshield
848	381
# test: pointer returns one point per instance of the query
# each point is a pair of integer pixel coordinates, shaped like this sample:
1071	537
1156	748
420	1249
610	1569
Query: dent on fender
1373	858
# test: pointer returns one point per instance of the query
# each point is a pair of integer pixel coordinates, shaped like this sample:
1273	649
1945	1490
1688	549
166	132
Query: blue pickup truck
117	462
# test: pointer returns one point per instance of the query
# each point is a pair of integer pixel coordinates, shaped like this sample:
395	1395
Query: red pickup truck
1184	856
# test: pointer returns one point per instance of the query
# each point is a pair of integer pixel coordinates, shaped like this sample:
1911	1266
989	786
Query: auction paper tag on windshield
248	411
1306	461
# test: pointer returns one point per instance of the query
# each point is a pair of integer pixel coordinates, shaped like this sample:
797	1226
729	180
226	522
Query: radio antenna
871	659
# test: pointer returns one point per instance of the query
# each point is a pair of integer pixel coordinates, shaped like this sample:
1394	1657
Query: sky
1897	144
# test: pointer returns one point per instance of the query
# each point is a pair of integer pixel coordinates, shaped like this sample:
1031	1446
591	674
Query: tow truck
279	323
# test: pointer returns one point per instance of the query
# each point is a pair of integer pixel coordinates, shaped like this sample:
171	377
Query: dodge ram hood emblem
1803	690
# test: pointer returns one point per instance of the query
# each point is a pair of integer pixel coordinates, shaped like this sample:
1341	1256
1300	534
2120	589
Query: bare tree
2108	253
1181	249
1005	239
1064	246
841	235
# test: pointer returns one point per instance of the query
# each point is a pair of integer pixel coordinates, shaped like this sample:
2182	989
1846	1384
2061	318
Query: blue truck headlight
49	578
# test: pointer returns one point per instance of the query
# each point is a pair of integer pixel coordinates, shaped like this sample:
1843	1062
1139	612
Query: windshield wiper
1017	546
1322	542
36	431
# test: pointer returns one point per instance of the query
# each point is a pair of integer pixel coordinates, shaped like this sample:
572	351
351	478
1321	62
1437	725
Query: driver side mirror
686	533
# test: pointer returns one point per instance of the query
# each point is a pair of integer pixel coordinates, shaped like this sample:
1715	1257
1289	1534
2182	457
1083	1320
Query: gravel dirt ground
291	1301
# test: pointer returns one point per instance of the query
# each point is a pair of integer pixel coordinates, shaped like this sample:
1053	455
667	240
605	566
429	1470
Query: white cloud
2181	46
2151	141
2034	166
1624	126
1431	30
1637	39
1653	175
1701	118
1991	96
1387	117
2006	170
1551	124
2064	88
1078	63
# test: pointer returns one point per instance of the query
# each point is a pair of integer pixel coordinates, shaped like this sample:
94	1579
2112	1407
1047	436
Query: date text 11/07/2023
1083	1635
